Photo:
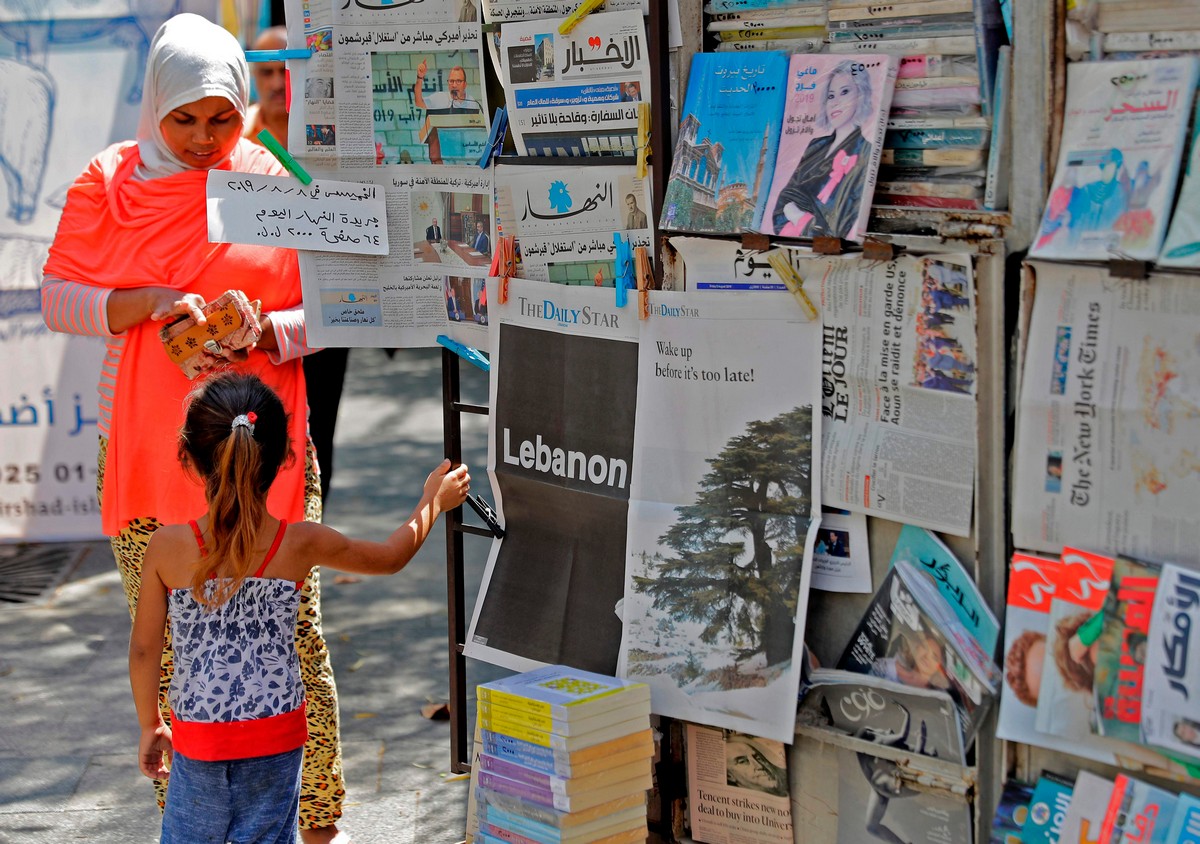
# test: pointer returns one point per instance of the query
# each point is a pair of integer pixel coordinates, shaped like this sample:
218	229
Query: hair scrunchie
244	420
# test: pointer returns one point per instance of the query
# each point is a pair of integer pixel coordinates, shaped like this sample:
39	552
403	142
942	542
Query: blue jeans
243	801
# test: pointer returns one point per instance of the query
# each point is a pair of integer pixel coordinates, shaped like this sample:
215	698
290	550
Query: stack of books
945	115
795	26
565	757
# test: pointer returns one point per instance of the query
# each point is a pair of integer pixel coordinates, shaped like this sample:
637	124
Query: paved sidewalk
67	727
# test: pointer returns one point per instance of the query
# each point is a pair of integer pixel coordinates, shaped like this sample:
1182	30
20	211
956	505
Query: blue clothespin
622	269
495	141
277	55
466	352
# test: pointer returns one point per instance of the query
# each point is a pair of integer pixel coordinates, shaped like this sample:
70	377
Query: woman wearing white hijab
132	251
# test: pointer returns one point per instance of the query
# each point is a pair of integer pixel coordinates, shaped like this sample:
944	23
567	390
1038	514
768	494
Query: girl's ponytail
236	439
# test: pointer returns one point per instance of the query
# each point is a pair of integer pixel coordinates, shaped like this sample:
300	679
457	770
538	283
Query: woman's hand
792	212
167	303
133	306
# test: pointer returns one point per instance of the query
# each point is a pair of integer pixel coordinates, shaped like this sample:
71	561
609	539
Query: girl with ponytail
229	582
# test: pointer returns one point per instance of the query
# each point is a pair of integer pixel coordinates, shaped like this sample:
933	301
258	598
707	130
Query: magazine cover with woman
829	146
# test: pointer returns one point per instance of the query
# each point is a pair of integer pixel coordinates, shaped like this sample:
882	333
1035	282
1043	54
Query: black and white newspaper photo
560	456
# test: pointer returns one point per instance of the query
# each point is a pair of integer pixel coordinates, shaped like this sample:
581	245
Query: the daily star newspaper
724	500
439	226
898	386
564	373
387	83
564	218
576	94
737	788
1108	419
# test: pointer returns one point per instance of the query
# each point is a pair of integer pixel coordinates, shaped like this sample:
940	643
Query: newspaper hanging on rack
1108	418
439	227
389	84
725	505
576	94
898	386
590	505
564	218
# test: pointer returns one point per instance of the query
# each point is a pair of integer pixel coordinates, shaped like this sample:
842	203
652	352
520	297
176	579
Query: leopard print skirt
321	788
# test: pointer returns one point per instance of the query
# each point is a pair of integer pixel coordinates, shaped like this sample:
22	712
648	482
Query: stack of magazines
1093	808
1097	661
565	756
928	627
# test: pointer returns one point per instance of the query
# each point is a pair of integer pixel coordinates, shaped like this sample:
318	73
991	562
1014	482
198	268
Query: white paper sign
325	216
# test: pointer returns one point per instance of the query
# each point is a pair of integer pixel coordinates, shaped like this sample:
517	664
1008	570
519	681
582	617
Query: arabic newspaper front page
576	94
564	218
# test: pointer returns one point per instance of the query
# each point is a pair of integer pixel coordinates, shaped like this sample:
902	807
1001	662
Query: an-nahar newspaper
1108	420
898	383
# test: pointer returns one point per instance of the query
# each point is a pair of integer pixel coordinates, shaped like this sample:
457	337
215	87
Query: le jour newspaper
898	375
898	385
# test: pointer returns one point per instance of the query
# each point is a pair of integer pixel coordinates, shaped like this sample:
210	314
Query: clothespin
486	513
779	262
495	141
277	55
622	269
504	265
643	138
645	280
577	14
276	149
465	352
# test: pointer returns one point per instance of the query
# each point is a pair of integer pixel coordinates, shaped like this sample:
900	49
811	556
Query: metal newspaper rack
995	241
657	27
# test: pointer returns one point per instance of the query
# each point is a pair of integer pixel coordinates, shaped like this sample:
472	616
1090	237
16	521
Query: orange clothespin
644	273
504	265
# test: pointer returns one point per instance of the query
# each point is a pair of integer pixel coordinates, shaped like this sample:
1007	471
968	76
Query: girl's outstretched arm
444	489
145	658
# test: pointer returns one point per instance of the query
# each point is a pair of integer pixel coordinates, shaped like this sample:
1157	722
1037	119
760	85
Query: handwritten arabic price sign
325	216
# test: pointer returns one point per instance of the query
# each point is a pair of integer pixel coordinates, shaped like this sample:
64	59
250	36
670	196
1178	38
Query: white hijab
190	58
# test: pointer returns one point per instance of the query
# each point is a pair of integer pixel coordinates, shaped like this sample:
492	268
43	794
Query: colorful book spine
554	761
498	718
562	785
564	802
995	193
936	138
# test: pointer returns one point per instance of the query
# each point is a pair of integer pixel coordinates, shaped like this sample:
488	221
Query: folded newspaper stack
565	757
